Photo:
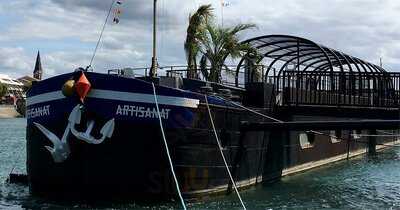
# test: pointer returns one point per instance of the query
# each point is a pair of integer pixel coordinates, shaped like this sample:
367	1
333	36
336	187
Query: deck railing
228	75
295	88
364	89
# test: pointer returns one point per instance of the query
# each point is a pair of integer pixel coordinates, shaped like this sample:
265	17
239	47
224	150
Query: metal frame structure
308	55
322	75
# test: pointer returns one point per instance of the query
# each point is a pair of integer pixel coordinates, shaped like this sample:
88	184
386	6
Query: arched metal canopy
308	55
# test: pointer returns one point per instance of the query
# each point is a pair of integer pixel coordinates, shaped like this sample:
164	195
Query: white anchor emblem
106	131
60	150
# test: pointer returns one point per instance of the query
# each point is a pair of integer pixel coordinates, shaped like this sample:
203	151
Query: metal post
372	142
153	70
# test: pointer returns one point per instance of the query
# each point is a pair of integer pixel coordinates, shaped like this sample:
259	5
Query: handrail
338	88
361	89
172	71
167	149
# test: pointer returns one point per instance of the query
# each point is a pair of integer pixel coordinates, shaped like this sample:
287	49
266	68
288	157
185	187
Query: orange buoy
82	87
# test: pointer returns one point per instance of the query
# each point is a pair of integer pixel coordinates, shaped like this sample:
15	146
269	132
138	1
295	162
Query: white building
14	87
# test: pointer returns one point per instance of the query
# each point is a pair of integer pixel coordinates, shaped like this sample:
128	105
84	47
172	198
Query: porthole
306	140
336	136
356	134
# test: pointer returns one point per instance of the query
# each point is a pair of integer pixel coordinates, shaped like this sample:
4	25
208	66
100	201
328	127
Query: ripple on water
363	183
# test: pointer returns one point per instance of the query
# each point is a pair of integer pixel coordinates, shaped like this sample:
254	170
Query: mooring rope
319	133
222	153
250	110
384	132
167	149
376	135
268	117
15	164
386	145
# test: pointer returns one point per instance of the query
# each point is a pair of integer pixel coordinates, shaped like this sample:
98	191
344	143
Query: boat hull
132	163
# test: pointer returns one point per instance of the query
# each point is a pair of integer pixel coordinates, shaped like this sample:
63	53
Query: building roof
7	80
26	80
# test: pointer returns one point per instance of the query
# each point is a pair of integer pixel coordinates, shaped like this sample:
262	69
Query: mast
153	70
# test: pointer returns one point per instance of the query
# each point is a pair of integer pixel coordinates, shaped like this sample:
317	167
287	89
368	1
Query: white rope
250	110
167	149
222	153
323	134
367	135
385	132
269	117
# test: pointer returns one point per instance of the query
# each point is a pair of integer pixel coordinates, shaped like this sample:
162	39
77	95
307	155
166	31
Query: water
361	183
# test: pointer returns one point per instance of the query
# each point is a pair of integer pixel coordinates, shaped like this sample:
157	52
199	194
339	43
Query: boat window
336	136
306	140
357	134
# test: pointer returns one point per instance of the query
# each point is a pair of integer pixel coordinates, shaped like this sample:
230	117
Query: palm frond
241	27
214	43
191	45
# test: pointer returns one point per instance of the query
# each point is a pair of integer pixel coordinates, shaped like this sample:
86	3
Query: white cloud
13	61
366	29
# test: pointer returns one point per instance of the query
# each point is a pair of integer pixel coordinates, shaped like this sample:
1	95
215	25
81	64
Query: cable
250	110
222	154
268	117
367	135
167	149
271	118
384	132
101	35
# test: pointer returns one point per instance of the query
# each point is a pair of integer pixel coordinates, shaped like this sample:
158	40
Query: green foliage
3	90
197	22
214	43
217	44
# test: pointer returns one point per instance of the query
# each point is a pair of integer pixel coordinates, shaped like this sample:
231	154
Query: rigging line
263	115
312	131
167	149
15	163
101	34
250	110
324	134
162	29
384	132
386	145
222	153
377	135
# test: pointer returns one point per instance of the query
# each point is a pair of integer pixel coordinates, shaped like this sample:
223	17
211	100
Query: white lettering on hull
38	112
141	112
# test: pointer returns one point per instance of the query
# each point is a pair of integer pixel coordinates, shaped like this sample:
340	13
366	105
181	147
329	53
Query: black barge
103	139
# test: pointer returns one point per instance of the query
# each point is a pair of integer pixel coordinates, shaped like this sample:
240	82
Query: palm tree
216	44
197	22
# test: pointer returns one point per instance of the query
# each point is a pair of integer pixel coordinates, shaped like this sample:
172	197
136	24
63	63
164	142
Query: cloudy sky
66	31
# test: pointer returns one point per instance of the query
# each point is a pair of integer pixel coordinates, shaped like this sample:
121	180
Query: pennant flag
224	3
116	20
117	12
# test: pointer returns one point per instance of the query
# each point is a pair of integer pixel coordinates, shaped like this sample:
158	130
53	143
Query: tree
216	44
3	90
197	23
213	43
